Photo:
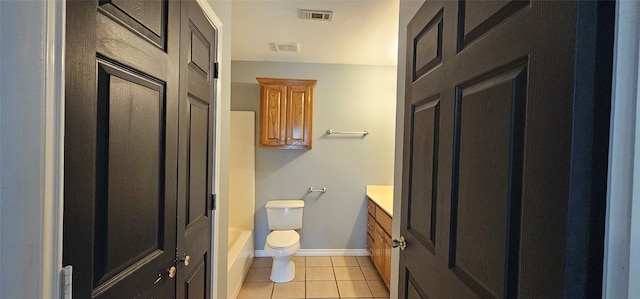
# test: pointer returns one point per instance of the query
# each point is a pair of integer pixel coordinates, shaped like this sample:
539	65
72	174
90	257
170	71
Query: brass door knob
186	260
172	272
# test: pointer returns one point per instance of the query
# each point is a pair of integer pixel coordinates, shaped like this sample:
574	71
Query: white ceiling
361	32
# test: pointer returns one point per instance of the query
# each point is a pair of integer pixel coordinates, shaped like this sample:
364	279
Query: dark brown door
121	147
489	202
195	173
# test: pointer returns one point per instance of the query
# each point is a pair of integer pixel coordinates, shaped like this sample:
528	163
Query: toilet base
283	269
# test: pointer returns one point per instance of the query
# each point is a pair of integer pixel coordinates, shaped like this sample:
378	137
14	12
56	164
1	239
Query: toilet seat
280	239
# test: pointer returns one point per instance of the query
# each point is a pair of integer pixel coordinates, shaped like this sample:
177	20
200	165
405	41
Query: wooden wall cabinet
379	240
286	112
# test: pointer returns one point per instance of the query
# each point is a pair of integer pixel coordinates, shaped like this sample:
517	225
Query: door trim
39	104
53	151
623	198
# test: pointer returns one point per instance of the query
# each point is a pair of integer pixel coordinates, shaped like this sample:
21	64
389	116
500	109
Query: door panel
195	171
478	17
412	291
275	118
120	141
487	182
488	150
146	18
428	47
196	283
130	170
125	45
199	53
424	155
198	161
297	103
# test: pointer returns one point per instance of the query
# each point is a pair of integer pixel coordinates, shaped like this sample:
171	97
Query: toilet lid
282	238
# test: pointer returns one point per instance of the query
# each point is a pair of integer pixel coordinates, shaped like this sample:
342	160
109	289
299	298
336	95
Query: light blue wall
347	98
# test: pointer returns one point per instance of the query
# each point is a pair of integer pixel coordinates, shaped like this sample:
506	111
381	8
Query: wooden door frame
622	166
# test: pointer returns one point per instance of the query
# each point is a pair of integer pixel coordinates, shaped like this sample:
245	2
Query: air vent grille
322	15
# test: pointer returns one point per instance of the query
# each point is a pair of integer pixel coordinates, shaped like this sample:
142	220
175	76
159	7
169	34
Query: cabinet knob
399	243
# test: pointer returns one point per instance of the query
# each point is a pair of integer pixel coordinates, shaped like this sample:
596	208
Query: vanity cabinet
379	240
286	112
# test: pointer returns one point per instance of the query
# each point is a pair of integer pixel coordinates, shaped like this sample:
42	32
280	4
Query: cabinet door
383	248
386	259
378	248
371	226
299	113
370	245
273	109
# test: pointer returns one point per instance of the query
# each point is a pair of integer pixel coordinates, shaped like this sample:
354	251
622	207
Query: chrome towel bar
311	189
330	132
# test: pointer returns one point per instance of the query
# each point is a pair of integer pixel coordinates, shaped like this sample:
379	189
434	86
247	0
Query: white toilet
284	217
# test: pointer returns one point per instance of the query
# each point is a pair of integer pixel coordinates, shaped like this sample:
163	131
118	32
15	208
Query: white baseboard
323	252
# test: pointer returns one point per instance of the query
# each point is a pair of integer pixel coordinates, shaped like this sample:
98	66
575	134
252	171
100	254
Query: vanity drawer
384	220
370	244
371	208
371	226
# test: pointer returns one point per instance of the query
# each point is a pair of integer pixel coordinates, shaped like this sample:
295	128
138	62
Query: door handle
172	272
399	243
186	260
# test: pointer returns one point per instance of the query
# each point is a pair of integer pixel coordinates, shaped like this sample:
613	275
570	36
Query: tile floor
317	277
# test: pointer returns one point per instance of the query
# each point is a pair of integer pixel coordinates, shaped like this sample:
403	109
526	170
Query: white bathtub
240	257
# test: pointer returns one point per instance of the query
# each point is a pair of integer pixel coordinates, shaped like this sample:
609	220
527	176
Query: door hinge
216	67
213	201
67	282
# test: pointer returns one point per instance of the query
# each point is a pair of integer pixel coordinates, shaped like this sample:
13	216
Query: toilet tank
284	214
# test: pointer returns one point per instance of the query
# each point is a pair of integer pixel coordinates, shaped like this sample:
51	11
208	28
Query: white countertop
382	196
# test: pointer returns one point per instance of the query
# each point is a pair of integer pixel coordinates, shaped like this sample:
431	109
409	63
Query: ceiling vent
323	15
290	47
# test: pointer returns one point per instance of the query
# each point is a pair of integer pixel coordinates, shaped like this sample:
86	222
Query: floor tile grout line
360	266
